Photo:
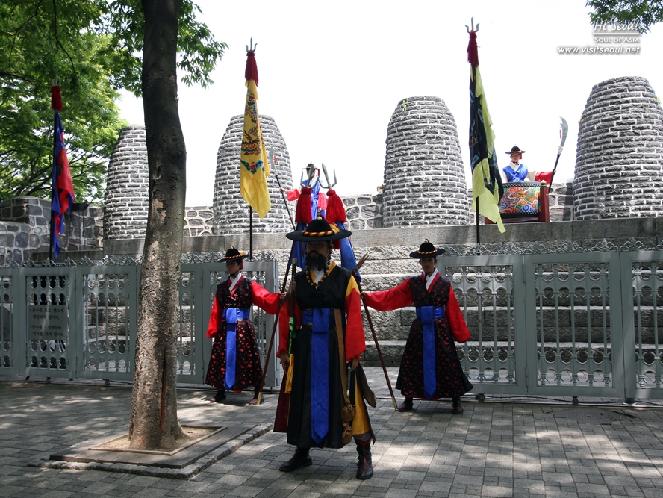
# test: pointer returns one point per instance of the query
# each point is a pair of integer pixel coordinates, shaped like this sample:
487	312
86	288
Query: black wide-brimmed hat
319	230
426	250
515	150
233	254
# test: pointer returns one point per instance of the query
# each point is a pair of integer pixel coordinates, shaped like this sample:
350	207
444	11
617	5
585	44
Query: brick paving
494	449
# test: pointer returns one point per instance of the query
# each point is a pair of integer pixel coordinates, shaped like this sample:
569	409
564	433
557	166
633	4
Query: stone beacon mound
619	157
231	213
424	179
127	187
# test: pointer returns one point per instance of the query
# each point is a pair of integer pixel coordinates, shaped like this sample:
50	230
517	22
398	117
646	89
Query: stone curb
183	473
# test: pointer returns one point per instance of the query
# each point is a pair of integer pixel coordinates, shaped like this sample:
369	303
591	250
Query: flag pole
355	272
476	216
278	182
291	264
476	212
250	232
50	240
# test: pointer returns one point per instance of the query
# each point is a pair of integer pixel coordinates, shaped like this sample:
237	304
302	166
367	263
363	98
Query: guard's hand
282	296
355	363
285	360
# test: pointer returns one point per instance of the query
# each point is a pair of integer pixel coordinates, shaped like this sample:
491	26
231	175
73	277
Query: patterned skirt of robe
248	368
450	378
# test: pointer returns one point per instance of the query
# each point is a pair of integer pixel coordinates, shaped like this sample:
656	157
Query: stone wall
561	202
231	213
25	229
619	157
127	186
24	222
199	221
424	178
363	211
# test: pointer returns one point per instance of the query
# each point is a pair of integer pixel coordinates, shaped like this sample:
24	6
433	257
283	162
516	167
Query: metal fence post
19	321
529	353
76	320
523	331
628	327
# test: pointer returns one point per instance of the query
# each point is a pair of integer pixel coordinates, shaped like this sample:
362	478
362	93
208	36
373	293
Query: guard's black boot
299	459
220	395
364	460
456	407
406	405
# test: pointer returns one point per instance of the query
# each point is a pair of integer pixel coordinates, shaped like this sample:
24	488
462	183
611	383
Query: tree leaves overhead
36	52
641	13
91	48
198	51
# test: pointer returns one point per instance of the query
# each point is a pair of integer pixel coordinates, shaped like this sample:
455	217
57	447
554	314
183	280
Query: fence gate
108	320
490	292
574	325
585	324
642	300
81	321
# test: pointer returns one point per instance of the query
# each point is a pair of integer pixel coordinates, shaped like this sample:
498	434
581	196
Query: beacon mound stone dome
424	179
127	187
231	213
619	157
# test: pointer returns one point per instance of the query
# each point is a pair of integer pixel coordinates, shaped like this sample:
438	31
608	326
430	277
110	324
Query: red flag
62	188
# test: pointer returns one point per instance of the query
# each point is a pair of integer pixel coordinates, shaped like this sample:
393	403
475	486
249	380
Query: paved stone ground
493	449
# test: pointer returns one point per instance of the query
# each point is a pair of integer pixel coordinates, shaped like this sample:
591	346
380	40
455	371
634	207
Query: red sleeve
284	327
355	341
292	194
457	323
213	325
269	301
390	299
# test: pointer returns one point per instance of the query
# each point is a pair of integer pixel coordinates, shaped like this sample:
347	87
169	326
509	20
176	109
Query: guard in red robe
326	335
430	368
235	360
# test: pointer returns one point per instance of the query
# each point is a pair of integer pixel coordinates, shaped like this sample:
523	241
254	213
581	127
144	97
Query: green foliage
641	13
91	48
197	50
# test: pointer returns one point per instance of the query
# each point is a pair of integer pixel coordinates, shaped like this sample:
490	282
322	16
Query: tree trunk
154	421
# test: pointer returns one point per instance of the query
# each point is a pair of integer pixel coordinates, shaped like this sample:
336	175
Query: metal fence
81	321
585	324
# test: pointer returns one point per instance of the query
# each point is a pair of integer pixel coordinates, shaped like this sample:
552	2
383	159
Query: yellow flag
254	167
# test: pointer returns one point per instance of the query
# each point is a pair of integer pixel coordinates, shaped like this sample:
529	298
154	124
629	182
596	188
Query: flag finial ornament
56	98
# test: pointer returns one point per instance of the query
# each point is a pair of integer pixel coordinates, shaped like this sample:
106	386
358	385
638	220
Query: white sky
331	74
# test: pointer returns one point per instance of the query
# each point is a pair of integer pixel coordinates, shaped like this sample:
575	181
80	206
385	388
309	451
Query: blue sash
318	319
232	316
427	315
